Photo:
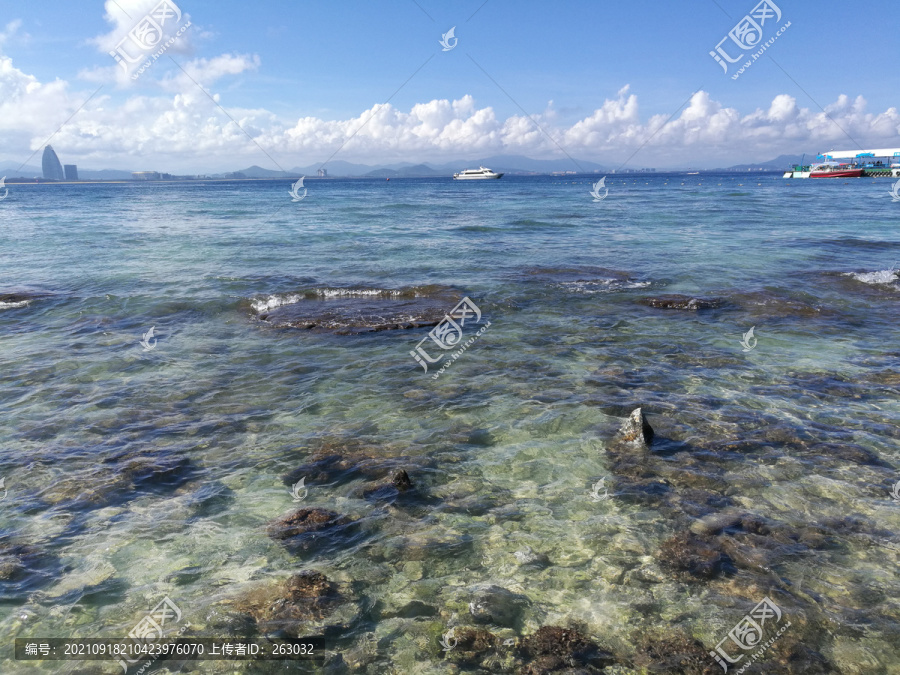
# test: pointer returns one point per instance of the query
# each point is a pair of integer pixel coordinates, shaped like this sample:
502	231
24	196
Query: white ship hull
476	174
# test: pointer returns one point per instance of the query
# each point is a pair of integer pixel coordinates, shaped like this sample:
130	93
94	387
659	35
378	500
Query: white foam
881	277
280	299
352	292
273	301
10	305
605	285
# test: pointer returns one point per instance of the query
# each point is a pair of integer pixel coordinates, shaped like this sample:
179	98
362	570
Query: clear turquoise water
506	444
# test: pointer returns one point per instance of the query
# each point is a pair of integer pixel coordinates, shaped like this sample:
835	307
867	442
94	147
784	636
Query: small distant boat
476	174
692	173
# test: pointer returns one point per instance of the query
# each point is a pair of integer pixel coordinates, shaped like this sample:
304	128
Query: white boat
476	174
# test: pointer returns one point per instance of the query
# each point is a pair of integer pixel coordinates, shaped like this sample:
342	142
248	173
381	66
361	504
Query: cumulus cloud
179	129
139	28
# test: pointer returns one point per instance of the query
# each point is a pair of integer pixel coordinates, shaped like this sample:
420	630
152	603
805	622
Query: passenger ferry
476	174
856	164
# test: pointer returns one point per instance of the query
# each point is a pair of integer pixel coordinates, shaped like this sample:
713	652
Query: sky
283	84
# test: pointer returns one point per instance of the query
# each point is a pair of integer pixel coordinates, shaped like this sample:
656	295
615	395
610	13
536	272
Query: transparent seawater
133	474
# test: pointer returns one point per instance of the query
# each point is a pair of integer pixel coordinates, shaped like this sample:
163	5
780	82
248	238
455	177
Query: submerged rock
692	557
792	656
334	468
301	529
19	299
677	654
283	609
496	605
473	647
24	568
768	305
390	490
526	556
358	310
553	648
119	478
715	523
675	301
17	560
401	481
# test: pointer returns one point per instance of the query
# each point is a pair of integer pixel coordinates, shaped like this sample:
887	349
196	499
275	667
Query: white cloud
206	72
152	16
178	128
11	30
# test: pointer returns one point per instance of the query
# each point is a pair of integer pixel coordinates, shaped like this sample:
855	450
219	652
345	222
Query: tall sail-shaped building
52	168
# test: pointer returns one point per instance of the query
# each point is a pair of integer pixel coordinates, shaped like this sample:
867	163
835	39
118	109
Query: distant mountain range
514	164
84	174
511	164
780	163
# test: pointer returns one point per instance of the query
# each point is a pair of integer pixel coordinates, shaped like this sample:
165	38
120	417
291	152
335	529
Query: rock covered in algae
677	653
553	649
119	478
472	647
692	556
287	607
347	311
303	528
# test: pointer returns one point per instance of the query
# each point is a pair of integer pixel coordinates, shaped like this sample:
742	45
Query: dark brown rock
768	305
692	557
553	648
348	311
401	481
285	607
675	301
472	646
677	654
792	657
306	522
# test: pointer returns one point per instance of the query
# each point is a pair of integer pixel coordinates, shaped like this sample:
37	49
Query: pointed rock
401	481
636	430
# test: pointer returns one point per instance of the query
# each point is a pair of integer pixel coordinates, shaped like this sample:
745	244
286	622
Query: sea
176	463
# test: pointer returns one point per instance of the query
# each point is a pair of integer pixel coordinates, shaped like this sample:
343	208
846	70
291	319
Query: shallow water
135	474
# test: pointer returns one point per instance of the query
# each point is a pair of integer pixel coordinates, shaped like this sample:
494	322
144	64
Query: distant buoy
388	179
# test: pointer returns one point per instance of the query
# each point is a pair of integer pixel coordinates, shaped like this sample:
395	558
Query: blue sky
334	61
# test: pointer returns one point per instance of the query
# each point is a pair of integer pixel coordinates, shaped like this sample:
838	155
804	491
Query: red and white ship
851	164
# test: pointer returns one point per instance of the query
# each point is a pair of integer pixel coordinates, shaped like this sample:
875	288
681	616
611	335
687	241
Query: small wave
880	278
273	301
603	285
267	304
10	305
354	292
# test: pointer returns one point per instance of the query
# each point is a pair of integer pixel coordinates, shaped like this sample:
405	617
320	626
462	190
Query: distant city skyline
643	84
